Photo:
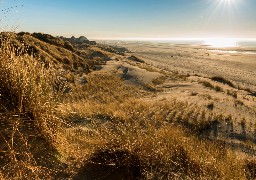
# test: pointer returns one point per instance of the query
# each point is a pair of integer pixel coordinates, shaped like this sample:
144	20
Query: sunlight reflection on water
221	43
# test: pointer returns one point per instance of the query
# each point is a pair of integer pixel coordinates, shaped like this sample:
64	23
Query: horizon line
178	39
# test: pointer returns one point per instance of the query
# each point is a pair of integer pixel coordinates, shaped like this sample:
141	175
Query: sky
117	19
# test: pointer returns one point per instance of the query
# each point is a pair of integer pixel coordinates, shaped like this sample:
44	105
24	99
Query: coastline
205	60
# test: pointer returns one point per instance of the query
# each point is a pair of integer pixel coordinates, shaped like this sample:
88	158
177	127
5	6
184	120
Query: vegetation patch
223	81
134	58
211	86
102	128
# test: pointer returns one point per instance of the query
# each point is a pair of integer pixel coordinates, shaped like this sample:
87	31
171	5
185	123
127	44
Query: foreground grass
104	126
153	135
29	126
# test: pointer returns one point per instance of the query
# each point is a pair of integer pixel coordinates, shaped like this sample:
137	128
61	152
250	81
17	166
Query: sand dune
198	65
130	73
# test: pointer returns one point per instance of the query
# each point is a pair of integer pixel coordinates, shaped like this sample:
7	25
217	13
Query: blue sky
99	19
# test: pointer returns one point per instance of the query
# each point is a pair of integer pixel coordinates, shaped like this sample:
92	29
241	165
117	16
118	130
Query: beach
237	63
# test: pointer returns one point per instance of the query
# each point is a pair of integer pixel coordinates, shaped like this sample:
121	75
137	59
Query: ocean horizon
208	42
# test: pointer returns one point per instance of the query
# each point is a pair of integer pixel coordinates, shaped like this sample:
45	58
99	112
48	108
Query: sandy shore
236	64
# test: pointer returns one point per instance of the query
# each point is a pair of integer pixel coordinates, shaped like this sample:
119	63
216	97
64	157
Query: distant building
80	40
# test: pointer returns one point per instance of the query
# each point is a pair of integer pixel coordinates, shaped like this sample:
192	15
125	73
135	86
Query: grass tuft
223	80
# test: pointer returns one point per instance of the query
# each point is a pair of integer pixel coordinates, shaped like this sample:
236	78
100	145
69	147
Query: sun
228	1
231	5
225	1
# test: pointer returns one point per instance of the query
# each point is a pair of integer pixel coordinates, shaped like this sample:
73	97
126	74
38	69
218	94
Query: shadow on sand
111	165
253	94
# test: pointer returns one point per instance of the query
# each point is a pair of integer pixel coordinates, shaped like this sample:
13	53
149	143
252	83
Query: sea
222	45
210	42
232	46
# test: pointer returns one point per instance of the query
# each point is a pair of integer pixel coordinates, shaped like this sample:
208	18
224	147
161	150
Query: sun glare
226	0
220	43
229	2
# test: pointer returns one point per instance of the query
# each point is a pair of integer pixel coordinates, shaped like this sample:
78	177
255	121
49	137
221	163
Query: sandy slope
129	72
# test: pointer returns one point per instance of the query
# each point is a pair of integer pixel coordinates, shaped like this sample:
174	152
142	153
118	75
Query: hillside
54	50
82	110
36	69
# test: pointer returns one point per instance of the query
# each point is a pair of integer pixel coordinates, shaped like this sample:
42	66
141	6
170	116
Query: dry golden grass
27	115
104	123
152	132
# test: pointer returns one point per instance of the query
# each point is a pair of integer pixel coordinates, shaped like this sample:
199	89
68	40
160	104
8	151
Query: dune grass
223	80
46	134
161	137
28	101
